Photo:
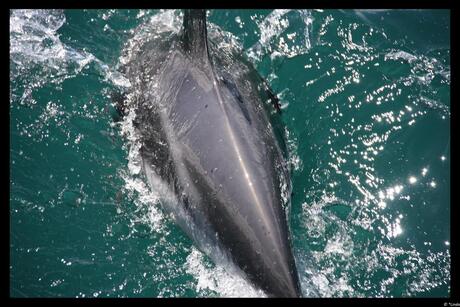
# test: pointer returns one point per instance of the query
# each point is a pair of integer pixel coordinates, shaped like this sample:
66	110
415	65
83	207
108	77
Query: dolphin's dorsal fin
195	34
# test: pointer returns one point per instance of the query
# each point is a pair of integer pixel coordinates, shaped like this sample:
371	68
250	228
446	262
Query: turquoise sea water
366	104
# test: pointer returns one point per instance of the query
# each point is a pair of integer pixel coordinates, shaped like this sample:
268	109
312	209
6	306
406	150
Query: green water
366	104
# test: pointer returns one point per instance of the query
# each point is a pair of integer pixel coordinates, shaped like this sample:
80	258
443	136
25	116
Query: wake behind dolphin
209	145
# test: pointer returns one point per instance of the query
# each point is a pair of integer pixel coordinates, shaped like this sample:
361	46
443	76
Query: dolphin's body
205	132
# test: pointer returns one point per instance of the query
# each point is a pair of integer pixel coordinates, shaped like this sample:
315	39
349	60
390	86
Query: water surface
366	103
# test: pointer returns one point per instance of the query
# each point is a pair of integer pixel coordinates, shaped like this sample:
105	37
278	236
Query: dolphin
209	143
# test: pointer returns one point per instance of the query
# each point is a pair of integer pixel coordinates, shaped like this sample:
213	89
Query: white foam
166	21
34	42
273	27
218	279
400	55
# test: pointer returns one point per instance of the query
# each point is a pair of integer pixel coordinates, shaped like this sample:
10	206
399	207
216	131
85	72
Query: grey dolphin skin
206	131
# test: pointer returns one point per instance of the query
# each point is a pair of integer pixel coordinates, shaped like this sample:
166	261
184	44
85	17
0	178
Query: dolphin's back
218	151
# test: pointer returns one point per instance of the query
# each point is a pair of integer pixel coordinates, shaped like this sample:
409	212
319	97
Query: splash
36	51
278	39
218	279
